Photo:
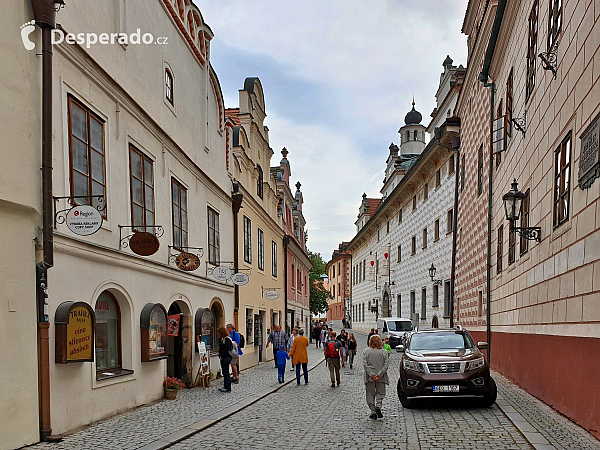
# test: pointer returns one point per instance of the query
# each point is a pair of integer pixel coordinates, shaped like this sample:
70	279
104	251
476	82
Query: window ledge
110	374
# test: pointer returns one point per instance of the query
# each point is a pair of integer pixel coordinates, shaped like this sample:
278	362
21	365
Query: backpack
234	349
242	340
331	351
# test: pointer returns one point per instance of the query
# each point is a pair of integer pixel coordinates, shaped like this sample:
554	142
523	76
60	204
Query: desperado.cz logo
88	39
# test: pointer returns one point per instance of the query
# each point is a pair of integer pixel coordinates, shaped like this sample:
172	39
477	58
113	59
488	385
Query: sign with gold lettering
187	261
143	243
74	342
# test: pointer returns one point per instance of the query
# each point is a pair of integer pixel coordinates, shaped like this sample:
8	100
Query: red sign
385	255
173	325
372	263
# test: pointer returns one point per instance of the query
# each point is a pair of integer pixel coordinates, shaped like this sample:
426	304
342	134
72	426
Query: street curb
529	431
190	430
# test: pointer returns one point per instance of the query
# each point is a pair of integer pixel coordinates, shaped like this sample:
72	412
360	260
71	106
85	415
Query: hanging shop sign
385	270
143	243
240	279
84	220
153	323
74	341
271	295
173	325
221	273
187	261
589	160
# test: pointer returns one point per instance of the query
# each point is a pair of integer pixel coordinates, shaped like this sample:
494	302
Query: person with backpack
281	357
332	356
237	340
225	353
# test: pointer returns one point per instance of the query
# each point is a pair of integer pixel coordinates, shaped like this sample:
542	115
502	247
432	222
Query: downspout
44	12
236	205
286	242
456	149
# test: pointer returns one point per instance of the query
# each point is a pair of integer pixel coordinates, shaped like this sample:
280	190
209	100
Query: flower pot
171	394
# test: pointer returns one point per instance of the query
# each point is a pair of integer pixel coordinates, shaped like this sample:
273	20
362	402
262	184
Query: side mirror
400	348
482	345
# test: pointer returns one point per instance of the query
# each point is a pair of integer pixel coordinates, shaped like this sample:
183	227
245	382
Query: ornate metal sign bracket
124	241
60	216
529	233
550	59
521	123
174	251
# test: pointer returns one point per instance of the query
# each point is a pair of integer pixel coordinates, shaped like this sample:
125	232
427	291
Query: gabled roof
373	205
234	115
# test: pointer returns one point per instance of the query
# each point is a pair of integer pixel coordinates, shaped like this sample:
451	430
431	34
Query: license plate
450	388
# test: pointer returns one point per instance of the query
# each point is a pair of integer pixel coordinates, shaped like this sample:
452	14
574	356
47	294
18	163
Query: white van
394	328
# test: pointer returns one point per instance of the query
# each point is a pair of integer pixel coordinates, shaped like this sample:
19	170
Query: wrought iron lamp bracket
550	59
520	123
124	240
437	282
60	216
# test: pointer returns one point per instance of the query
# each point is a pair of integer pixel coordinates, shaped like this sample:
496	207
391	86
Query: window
423	304
480	304
446	298
509	109
436	230
500	249
511	245
462	174
247	240
531	51
435	302
274	258
438	178
261	249
498	155
400	216
399	305
426	191
412	303
408	135
415	135
554	22
333	273
399	253
86	154
142	190
179	210
480	170
387	227
413	246
562	181
450	221
299	282
414	203
214	256
524	243
108	332
294	276
249	323
364	269
169	86
339	290
425	238
451	164
259	182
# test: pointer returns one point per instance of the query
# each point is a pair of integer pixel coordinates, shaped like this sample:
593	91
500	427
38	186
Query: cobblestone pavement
557	429
318	416
146	424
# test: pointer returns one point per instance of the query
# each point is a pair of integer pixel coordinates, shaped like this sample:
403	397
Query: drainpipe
44	12
456	149
286	242
236	205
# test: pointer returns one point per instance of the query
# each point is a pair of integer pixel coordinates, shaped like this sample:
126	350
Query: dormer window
169	86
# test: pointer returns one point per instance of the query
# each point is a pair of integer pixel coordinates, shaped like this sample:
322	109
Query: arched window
169	86
215	312
259	182
408	135
108	332
416	135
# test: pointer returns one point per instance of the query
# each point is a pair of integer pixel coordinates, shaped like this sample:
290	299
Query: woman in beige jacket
375	361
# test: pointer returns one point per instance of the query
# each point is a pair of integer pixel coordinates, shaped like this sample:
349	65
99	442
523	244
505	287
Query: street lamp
513	200
432	271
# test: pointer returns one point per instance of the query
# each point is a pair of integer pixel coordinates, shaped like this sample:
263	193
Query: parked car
442	363
394	328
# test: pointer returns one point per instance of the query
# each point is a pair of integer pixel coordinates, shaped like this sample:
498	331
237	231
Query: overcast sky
339	77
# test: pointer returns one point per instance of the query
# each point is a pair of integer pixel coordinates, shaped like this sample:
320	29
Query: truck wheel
490	396
404	400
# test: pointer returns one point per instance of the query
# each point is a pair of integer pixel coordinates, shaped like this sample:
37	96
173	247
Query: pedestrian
235	366
290	342
225	347
386	346
352	348
317	335
277	337
372	332
323	335
332	356
281	357
343	339
375	361
300	356
331	323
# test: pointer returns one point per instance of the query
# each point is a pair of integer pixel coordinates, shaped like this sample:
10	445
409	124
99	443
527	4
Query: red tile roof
234	115
373	205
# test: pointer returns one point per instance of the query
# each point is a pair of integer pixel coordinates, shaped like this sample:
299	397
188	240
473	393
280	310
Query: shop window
249	323
153	324
142	190
108	332
204	324
86	154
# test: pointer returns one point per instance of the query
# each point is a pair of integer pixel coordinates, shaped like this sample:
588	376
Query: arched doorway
179	343
434	322
385	307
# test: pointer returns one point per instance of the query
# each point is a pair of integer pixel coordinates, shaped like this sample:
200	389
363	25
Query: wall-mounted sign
240	279
74	342
271	295
143	243
221	273
589	161
187	261
84	220
153	323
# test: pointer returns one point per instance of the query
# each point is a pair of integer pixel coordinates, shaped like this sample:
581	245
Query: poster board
75	330
204	368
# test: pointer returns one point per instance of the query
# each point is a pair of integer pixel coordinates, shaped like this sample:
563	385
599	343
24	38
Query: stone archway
180	348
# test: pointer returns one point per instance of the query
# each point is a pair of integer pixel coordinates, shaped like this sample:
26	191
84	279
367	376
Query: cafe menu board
74	342
153	324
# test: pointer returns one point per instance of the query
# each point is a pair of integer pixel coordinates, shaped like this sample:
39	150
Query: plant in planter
172	385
